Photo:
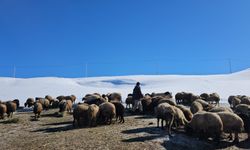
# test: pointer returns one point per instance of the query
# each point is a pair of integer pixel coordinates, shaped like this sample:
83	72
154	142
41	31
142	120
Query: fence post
230	65
86	70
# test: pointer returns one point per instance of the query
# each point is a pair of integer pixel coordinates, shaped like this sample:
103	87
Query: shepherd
137	95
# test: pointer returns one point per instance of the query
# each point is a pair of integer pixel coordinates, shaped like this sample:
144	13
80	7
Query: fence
132	67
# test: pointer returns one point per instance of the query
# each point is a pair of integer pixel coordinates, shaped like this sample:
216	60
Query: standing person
137	95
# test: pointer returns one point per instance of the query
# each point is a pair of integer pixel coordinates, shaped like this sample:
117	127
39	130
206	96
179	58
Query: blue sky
59	37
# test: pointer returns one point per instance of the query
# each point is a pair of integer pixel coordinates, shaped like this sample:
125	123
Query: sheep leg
73	122
158	119
236	137
170	124
162	124
230	136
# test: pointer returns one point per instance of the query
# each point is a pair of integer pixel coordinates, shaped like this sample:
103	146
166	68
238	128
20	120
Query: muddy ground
138	132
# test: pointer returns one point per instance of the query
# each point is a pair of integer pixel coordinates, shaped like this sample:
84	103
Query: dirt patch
138	132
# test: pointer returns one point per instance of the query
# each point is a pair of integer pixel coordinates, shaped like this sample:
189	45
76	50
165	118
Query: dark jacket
137	94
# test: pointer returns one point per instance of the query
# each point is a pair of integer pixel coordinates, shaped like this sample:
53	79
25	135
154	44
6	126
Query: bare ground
138	132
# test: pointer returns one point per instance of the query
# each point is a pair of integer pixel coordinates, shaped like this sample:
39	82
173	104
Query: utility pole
230	65
86	70
14	71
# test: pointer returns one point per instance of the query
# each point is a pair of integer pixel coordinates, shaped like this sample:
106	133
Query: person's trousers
137	105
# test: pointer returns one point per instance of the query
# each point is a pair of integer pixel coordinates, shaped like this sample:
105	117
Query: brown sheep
60	98
55	103
11	108
73	98
196	107
50	98
45	102
231	124
206	106
93	99
165	112
179	97
17	102
146	102
120	110
65	105
245	100
230	100
81	113
129	101
3	110
93	114
115	97
180	118
242	109
204	96
188	114
205	124
164	100
107	112
166	95
214	98
194	97
38	108
246	120
221	109
29	102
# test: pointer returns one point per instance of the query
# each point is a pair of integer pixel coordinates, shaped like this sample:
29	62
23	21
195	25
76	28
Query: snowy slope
225	85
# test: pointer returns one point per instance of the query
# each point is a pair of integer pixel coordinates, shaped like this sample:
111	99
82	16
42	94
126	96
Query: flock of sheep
200	115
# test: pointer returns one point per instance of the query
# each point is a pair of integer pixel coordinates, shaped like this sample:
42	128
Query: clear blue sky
57	37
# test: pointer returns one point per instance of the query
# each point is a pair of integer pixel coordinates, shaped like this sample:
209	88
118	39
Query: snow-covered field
225	85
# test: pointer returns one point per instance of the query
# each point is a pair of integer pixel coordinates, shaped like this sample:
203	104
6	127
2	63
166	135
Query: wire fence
130	67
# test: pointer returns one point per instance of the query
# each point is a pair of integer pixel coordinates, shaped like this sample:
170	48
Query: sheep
236	101
231	123
245	100
17	102
3	110
38	108
11	108
165	112
50	98
180	118
80	112
214	97
165	95
230	100
194	97
115	97
206	106
60	98
242	109
45	102
107	112
196	107
205	124
188	114
71	97
204	96
55	103
221	109
93	114
65	105
93	99
246	120
29	102
164	100
119	108
146	102
129	101
179	97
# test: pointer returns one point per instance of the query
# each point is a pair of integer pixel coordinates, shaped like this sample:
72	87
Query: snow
224	84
